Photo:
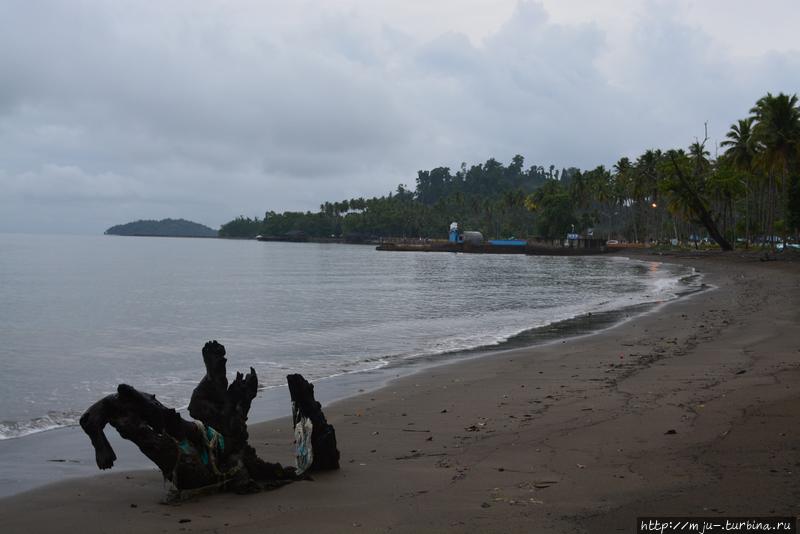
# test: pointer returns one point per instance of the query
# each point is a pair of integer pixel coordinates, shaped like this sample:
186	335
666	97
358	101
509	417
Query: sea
81	314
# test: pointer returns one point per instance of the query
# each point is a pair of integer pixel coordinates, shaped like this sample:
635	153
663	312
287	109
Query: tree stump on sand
212	452
315	439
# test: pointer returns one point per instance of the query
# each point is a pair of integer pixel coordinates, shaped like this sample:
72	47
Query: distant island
162	228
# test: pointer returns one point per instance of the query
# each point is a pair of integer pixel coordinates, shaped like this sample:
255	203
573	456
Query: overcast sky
120	110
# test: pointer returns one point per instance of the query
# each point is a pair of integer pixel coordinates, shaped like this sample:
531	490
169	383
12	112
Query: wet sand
691	409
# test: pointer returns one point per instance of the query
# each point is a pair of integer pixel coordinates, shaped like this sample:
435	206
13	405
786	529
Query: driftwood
305	408
212	451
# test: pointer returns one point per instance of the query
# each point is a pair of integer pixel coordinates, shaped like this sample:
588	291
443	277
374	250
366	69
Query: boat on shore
541	248
473	243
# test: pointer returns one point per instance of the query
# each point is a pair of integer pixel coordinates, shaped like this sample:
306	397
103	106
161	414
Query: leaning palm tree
688	196
777	134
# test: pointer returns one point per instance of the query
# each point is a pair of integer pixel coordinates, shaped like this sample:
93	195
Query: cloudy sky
112	111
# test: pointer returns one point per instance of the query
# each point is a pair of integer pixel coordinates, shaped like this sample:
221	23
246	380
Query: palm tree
676	204
699	156
645	189
579	190
688	196
777	134
622	187
741	144
741	152
600	192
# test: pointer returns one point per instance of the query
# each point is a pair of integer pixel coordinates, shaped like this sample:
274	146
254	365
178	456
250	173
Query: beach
689	409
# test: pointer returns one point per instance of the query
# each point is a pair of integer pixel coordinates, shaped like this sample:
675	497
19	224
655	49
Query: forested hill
487	197
163	228
750	193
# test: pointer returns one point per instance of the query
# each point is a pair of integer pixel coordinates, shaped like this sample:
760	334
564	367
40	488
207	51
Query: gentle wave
662	289
51	421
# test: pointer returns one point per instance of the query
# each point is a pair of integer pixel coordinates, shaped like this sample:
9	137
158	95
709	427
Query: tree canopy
163	228
749	193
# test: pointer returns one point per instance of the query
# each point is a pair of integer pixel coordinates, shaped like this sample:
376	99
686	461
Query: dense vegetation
163	228
750	193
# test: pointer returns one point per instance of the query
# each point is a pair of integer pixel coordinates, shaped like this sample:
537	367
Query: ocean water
80	314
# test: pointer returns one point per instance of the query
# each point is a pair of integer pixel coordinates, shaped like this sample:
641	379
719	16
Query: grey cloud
54	183
449	55
128	110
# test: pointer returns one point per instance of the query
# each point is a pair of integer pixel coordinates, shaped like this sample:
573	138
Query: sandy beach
690	409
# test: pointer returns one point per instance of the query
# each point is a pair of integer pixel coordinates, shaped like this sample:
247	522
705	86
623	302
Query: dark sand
691	409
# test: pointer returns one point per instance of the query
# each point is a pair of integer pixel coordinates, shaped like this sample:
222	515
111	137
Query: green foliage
555	209
163	228
793	202
487	197
777	131
659	196
741	144
240	227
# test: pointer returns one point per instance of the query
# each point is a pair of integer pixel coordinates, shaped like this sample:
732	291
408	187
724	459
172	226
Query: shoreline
22	422
554	438
60	453
584	323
